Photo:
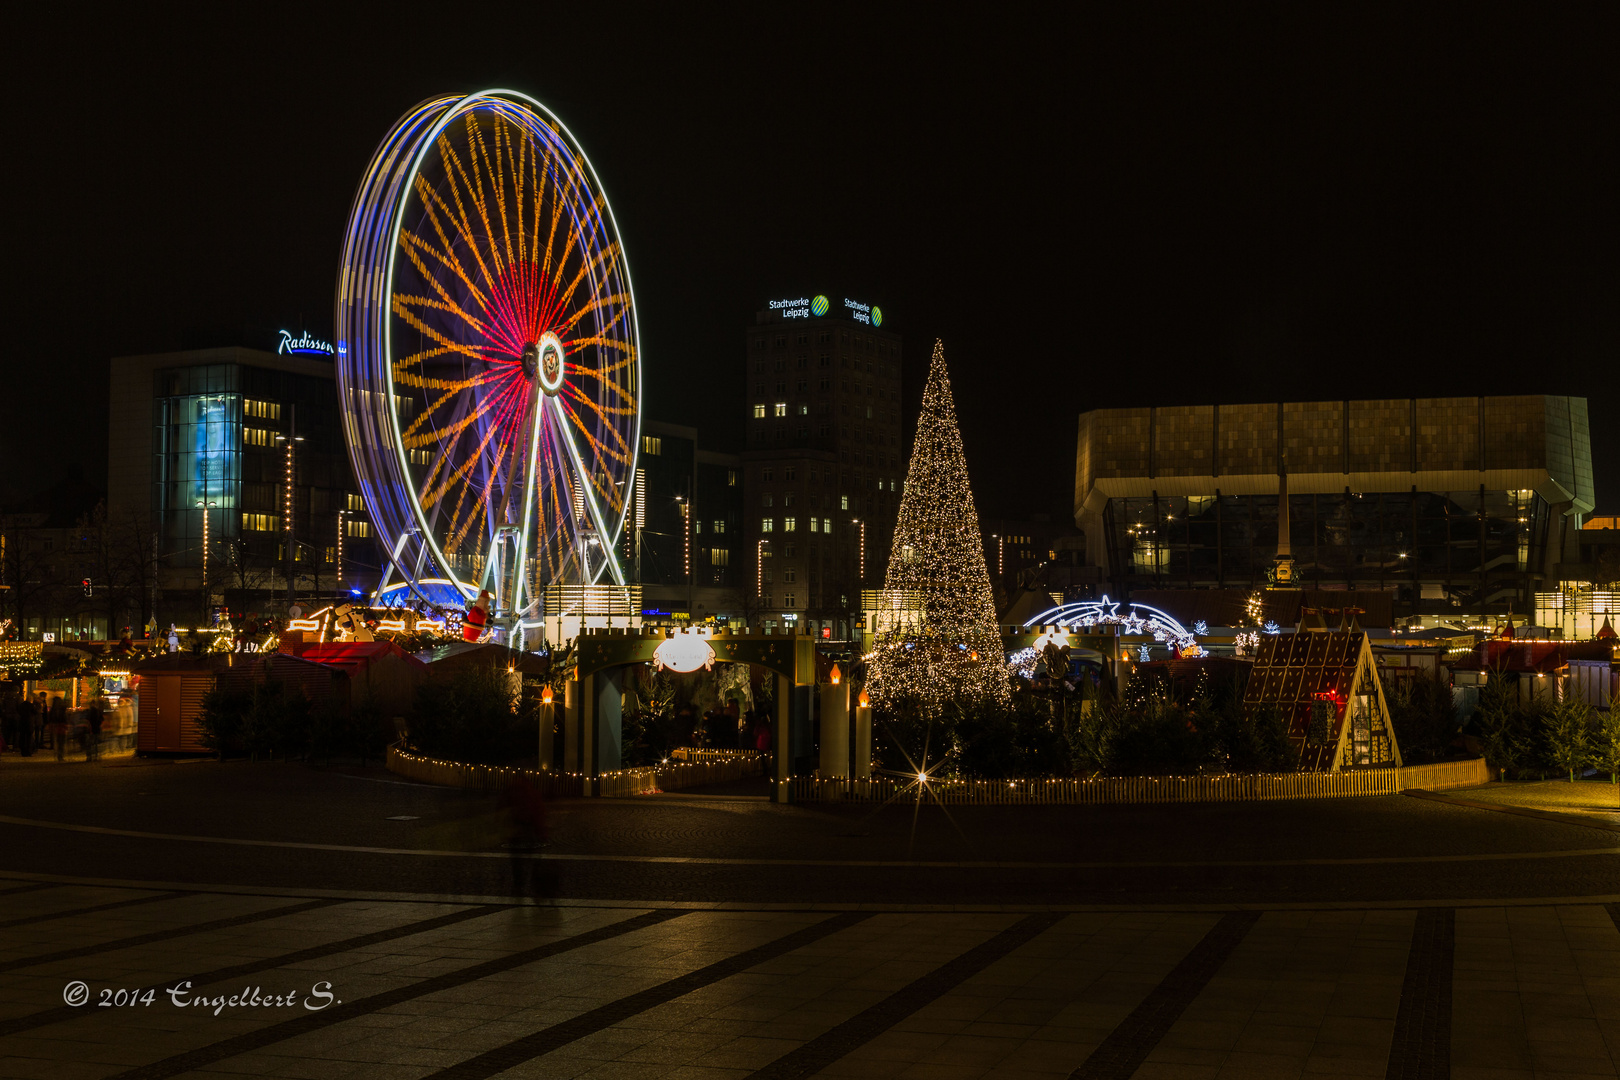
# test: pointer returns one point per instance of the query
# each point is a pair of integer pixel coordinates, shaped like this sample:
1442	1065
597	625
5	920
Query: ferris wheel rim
452	109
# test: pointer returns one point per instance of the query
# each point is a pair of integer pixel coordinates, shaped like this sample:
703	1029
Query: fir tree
941	641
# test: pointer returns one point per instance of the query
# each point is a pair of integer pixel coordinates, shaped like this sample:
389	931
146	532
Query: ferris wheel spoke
444	254
430	497
414	248
585	480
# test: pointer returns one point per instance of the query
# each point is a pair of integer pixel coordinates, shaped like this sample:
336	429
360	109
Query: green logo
818	306
877	315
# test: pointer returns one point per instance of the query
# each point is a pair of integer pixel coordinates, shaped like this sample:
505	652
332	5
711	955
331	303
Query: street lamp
686	553
759	569
206	504
862	524
290	438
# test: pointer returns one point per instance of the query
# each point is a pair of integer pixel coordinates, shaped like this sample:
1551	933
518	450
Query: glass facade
1439	551
198	466
220	447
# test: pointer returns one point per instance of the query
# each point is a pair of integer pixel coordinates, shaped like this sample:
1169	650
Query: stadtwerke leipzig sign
806	306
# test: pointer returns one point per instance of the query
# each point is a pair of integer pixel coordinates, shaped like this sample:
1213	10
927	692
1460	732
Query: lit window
767	525
355	502
719	526
812	524
652	444
360	529
731	478
759	412
826	525
843	502
789	524
255	437
781	408
804	410
260	523
719	556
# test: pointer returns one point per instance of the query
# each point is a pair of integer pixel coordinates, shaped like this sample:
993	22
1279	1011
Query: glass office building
214	442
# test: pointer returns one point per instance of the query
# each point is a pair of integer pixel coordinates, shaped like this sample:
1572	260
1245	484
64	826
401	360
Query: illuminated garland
22	658
945	643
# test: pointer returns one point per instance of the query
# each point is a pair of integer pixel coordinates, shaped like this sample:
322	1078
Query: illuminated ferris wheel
488	357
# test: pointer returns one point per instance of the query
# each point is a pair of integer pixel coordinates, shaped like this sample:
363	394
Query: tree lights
945	642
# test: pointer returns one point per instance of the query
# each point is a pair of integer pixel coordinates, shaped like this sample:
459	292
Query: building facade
683	535
237	456
824	461
1458	506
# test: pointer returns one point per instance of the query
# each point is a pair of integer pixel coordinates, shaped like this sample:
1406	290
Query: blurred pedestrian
92	739
762	735
10	719
25	726
59	725
42	717
525	811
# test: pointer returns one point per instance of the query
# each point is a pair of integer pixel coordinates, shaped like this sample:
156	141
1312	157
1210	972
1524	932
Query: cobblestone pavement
726	938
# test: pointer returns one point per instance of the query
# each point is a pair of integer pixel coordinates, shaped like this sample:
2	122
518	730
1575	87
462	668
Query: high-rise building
824	461
232	452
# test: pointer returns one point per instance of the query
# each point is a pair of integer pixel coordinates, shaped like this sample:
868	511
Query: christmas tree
938	638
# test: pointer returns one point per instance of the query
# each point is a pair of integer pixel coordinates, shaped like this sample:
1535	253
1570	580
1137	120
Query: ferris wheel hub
543	362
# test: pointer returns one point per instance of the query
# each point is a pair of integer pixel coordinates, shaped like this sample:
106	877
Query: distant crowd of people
44	722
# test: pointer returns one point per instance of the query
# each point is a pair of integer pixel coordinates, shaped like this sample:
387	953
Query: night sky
1090	213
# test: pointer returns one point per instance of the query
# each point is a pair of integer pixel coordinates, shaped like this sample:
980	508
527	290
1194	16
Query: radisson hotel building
1461	506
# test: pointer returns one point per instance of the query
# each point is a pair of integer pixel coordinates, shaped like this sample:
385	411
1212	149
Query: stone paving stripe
903	864
337	1014
1522	811
558	1035
28	888
49	915
163	935
1128	1045
252	967
863	1027
1422	1046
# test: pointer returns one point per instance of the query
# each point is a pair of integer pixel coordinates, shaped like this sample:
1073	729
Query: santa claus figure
472	626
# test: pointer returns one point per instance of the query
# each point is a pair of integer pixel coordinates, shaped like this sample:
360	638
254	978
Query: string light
945	642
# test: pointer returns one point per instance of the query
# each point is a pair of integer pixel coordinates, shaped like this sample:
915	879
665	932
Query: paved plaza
161	919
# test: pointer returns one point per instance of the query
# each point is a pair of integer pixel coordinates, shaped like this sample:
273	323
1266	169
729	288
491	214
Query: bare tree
246	571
